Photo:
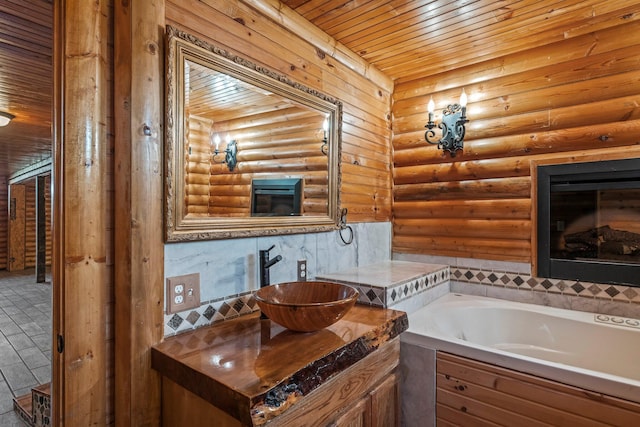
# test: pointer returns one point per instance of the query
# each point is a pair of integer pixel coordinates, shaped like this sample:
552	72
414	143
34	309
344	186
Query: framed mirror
248	151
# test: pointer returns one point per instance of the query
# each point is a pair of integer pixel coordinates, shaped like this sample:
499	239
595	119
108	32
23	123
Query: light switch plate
183	292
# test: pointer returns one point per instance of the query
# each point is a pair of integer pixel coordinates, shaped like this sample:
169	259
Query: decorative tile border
210	312
522	281
230	307
414	287
387	297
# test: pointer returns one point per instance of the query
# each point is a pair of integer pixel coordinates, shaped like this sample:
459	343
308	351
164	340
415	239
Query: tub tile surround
229	268
401	285
513	281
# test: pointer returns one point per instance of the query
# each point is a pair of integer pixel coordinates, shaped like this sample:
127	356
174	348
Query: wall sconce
5	118
229	153
453	120
324	148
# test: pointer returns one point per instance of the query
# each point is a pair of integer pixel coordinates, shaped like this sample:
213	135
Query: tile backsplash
229	268
229	274
514	281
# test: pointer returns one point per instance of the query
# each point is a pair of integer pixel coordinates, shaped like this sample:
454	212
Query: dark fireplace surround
588	221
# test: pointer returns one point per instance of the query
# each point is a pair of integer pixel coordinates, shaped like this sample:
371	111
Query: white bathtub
563	345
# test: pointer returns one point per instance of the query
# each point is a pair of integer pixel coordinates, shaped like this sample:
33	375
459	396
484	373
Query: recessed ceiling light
5	118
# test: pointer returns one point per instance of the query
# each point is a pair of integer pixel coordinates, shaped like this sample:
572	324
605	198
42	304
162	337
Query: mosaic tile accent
41	407
210	312
527	282
383	296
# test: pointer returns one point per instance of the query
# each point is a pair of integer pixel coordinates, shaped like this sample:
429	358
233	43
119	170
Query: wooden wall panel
17	217
4	218
560	100
30	222
366	171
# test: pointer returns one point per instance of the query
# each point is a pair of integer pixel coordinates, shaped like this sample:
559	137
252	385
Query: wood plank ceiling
26	82
404	39
410	39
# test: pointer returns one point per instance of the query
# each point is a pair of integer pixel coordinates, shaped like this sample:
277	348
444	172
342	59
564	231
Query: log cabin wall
571	99
366	185
198	159
268	147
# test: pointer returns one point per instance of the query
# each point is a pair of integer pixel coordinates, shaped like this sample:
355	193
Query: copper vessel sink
306	306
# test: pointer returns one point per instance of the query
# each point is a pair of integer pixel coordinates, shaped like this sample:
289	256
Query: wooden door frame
80	351
84	391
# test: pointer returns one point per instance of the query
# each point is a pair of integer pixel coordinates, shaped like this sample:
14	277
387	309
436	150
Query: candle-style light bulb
227	139
431	106
463	99
216	140
325	125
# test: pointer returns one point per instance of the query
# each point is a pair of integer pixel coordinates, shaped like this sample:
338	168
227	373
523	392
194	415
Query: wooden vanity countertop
255	369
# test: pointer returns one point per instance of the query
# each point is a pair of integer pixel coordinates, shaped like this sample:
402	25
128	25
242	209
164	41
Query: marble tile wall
513	281
229	268
400	285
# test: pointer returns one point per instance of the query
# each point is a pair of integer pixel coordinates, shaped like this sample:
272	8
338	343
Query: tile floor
25	338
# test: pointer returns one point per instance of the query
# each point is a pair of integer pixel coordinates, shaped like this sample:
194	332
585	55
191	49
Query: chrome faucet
265	264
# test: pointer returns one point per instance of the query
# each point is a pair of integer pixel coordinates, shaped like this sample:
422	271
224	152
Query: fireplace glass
589	221
276	197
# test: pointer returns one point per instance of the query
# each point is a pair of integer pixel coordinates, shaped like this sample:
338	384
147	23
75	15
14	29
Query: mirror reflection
249	152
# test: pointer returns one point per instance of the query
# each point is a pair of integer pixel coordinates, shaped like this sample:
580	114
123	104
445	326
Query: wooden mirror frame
182	227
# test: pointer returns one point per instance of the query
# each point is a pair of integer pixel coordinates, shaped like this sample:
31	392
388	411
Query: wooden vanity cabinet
365	394
250	372
380	408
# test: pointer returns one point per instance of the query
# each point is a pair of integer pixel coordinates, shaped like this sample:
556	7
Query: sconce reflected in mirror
230	152
453	130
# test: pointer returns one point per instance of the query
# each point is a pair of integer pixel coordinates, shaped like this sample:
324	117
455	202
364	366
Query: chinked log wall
365	187
572	99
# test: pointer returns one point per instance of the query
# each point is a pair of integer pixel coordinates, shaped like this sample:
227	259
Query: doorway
25	297
26	96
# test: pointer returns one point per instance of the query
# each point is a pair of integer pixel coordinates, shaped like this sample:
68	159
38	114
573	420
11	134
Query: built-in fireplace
588	225
276	197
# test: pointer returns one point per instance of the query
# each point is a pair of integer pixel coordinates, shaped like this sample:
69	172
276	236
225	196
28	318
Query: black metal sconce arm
453	129
230	155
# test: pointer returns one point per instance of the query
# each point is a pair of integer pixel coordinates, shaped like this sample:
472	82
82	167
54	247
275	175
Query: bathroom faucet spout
272	261
266	264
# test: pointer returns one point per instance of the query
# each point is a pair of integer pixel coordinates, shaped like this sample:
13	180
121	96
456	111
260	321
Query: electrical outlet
302	270
183	292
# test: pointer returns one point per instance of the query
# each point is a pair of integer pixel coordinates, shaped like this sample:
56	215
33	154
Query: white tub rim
591	380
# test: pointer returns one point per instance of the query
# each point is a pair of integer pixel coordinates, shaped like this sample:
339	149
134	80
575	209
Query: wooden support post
41	230
139	254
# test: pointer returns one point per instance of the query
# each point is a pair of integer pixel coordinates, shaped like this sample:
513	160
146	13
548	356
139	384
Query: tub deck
575	348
